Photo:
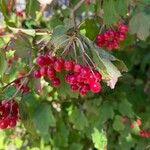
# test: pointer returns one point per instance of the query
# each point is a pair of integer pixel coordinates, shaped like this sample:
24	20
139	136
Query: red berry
74	87
41	61
25	89
124	120
3	124
139	122
68	65
77	68
132	126
58	66
56	82
95	87
123	28
37	74
12	123
17	81
43	70
98	75
51	73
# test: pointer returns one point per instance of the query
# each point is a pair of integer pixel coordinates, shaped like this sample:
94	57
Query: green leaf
26	119
90	27
118	124
121	7
99	139
78	119
125	108
106	112
76	146
54	21
43	118
32	6
140	25
59	37
22	45
61	136
3	63
110	14
30	32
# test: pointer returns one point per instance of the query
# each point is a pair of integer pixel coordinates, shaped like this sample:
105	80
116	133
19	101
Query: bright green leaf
99	139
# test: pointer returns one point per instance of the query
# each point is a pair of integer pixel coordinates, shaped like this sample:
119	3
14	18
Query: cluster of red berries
145	133
24	88
9	114
111	38
80	78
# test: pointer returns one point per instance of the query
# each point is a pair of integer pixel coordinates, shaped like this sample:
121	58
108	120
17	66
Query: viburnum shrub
74	74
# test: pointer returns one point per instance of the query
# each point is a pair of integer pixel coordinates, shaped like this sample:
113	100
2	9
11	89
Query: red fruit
69	65
139	122
85	71
25	89
3	124
56	82
123	28
132	126
98	75
51	73
37	74
19	13
17	81
124	119
62	61
58	66
43	70
77	68
121	36
74	87
71	79
53	59
41	61
95	87
12	123
10	61
48	60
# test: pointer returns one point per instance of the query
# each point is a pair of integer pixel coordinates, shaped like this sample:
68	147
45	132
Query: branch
76	7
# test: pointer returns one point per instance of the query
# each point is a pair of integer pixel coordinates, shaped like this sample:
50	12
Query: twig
76	7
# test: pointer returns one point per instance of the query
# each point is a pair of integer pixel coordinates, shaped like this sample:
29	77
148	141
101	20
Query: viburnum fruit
9	114
111	38
144	133
18	84
80	78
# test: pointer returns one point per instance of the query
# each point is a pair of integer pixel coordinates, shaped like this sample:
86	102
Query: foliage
59	118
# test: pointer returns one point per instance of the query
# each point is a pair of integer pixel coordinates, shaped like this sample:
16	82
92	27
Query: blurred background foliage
89	123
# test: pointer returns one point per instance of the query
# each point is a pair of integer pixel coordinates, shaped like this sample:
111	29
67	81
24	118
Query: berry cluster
24	88
80	78
111	38
9	114
145	133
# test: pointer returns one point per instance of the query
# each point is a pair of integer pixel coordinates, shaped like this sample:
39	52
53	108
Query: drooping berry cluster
80	78
23	88
144	133
111	38
9	114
